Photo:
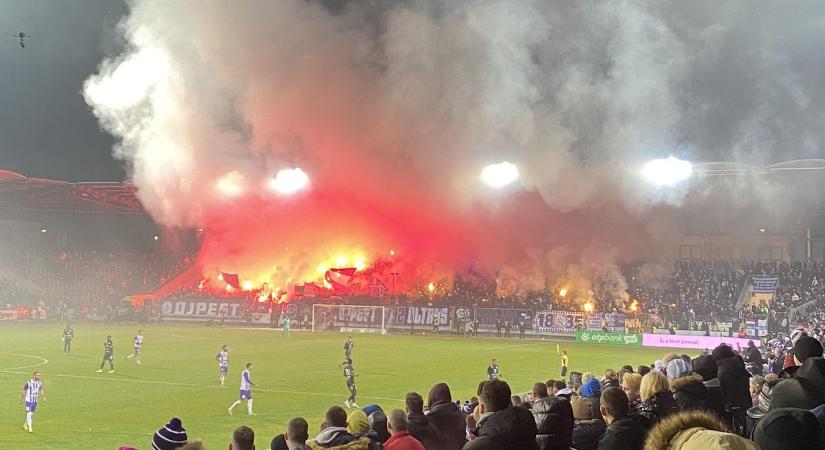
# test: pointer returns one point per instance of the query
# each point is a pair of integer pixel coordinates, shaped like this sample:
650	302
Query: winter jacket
512	428
694	430
658	407
554	423
587	434
735	382
625	434
716	400
450	425
402	441
690	393
338	438
422	429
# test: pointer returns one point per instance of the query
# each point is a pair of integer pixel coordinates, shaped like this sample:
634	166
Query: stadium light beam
666	172
499	175
289	181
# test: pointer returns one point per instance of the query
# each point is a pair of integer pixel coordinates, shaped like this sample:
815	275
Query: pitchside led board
208	309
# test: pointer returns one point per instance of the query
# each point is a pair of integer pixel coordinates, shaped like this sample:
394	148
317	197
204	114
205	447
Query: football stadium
411	224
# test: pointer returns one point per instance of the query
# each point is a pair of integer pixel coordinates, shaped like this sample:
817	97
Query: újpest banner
604	337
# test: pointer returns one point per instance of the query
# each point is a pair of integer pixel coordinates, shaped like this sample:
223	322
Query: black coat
554	423
625	434
587	434
735	382
690	393
508	429
716	399
420	428
451	426
658	407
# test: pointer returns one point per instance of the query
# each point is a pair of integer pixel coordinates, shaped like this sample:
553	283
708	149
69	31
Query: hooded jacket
446	417
733	378
658	407
625	434
511	428
588	433
420	428
338	438
690	393
554	423
694	430
592	390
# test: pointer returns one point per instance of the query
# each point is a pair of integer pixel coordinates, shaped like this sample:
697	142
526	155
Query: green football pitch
298	376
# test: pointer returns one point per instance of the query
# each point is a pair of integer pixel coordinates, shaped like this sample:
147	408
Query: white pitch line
209	386
42	361
516	345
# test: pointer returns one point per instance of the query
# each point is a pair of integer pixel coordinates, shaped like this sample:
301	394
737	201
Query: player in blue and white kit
223	362
246	391
138	345
32	392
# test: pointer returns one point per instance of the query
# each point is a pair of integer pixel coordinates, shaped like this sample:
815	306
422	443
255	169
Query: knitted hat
787	428
582	408
763	404
705	365
170	436
677	368
357	422
806	347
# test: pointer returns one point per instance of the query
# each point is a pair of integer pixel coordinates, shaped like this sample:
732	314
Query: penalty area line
43	361
208	386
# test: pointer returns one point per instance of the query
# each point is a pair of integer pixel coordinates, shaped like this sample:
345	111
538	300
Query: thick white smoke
403	102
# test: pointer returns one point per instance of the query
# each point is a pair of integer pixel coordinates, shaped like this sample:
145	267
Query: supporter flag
340	278
377	287
231	279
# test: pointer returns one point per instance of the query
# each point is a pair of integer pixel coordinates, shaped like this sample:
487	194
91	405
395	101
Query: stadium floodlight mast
289	181
500	174
666	172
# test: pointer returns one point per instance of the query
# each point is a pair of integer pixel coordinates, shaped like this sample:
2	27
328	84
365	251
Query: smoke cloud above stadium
392	108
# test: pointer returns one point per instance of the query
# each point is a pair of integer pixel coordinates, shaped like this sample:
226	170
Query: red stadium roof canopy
19	192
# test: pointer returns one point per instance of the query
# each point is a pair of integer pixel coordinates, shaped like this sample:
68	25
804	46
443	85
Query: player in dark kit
349	377
108	352
68	336
348	348
492	371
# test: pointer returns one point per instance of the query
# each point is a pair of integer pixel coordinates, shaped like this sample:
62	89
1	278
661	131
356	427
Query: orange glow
431	287
562	292
229	288
588	307
634	305
247	285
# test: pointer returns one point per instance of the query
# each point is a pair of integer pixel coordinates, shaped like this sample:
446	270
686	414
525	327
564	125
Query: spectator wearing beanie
446	417
762	406
694	430
735	384
688	390
592	390
357	422
554	419
587	431
170	436
788	428
657	400
806	390
804	348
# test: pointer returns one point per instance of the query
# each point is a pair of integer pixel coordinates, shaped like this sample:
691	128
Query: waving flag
231	279
340	278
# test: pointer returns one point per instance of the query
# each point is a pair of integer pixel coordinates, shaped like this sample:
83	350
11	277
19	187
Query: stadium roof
19	192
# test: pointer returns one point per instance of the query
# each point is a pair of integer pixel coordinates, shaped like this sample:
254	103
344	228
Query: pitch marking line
517	345
172	383
43	361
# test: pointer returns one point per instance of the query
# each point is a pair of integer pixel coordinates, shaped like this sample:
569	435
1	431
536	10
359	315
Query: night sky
46	129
